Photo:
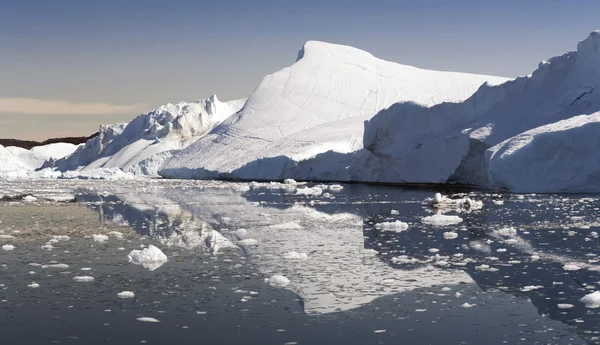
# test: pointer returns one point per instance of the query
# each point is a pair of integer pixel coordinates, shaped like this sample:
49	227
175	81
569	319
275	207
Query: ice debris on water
33	285
147	319
565	306
277	280
392	226
441	220
450	235
8	247
571	267
440	201
150	258
29	198
99	238
309	191
126	294
83	279
591	300
295	256
531	288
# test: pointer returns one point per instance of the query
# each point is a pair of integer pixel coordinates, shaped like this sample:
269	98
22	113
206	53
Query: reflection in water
528	248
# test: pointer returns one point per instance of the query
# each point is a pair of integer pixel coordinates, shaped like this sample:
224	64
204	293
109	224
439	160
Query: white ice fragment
441	220
33	285
571	267
59	266
150	258
295	256
467	305
277	280
565	306
507	232
397	226
126	294
531	288
591	300
8	247
99	238
248	242
83	279
290	181
309	191
450	235
29	198
147	319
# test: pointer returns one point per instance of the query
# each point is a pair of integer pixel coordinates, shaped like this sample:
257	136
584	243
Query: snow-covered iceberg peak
145	143
588	50
316	105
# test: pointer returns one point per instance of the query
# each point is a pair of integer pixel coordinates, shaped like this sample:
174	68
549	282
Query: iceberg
318	104
141	146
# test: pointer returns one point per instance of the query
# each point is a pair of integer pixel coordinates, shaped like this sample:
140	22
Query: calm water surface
512	272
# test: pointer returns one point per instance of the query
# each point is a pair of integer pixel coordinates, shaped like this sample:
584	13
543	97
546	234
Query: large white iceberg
19	162
532	134
145	143
317	105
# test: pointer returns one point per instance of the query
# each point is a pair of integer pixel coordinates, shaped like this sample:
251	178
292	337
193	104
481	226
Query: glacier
18	162
316	105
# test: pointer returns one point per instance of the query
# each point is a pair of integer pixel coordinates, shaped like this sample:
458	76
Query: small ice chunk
467	305
309	191
33	285
591	300
571	267
507	232
295	256
290	181
8	247
59	266
450	235
531	288
248	242
565	306
441	220
277	280
392	226
394	212
150	258
29	198
126	294
379	331
147	319
99	238
83	279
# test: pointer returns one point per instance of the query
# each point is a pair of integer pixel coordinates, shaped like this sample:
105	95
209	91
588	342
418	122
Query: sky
67	66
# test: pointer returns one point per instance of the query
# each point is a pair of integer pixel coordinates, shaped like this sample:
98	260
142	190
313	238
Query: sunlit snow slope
17	161
143	145
316	105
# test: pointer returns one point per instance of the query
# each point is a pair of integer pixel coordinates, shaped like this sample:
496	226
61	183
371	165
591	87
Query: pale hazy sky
67	66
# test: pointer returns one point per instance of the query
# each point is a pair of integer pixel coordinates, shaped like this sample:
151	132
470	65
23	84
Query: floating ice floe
441	220
277	280
150	258
450	235
591	300
295	256
147	319
392	226
440	201
100	238
83	279
8	247
126	294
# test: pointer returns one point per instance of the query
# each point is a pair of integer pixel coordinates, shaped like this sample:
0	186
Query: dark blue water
359	285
